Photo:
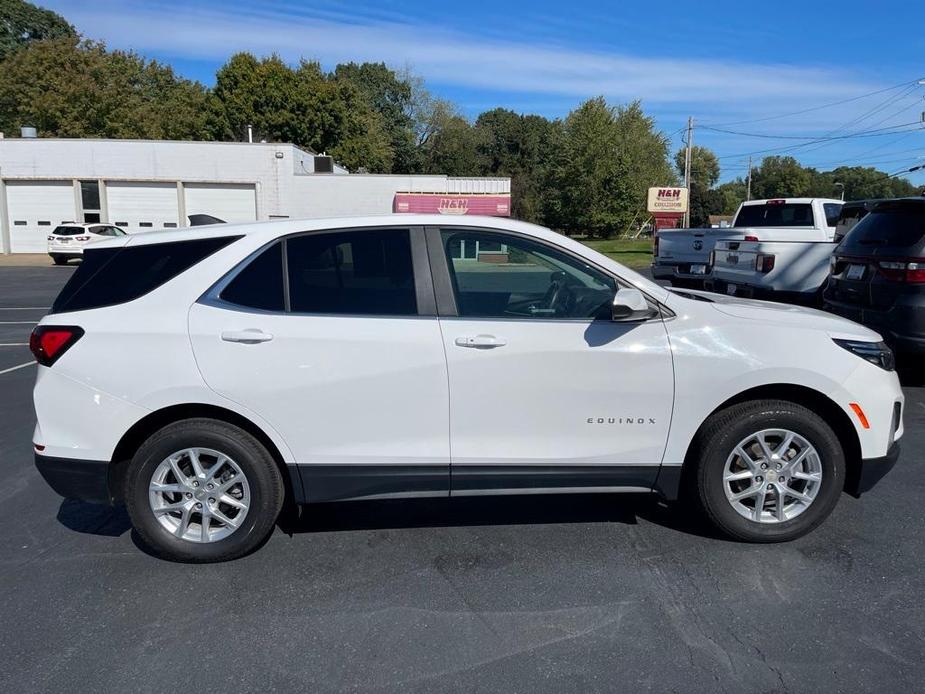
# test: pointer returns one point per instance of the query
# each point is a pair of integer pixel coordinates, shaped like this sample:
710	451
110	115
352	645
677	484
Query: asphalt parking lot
530	594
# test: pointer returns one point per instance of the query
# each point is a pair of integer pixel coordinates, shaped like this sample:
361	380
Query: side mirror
630	305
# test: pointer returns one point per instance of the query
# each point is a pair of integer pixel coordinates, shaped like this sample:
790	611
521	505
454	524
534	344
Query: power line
790	148
819	108
815	138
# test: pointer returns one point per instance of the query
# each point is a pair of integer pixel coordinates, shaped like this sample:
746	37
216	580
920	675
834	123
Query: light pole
841	187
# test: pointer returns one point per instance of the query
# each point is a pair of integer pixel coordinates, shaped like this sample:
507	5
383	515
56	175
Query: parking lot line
17	322
24	308
14	368
14	344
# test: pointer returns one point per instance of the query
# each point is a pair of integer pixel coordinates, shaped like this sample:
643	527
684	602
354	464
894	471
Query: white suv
68	240
412	356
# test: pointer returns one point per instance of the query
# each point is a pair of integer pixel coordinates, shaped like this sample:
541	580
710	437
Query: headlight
874	352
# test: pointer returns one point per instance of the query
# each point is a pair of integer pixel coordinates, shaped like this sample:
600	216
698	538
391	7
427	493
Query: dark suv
878	273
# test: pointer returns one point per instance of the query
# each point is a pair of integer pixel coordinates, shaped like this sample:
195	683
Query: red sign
494	205
668	220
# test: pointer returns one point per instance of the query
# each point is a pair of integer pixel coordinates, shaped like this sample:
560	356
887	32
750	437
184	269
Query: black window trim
423	281
446	295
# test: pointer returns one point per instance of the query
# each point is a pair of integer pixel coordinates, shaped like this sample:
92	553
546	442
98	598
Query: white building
150	184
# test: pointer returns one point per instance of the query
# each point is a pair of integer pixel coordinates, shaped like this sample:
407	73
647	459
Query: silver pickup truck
683	255
785	255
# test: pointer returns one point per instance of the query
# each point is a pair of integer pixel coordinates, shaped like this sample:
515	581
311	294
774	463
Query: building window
170	225
121	224
145	224
90	201
44	224
19	223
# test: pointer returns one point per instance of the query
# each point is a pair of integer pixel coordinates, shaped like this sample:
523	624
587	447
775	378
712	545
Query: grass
634	253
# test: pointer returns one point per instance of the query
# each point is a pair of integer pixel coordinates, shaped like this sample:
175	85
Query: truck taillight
912	271
49	342
764	263
751	238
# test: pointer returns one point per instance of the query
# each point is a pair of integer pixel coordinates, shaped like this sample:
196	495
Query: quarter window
364	272
510	277
260	284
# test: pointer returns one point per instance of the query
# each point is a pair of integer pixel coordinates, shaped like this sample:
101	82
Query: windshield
776	215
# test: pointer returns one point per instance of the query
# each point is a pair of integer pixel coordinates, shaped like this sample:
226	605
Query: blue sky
731	65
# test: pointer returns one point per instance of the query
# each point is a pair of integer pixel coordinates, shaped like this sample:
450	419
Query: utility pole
687	169
748	189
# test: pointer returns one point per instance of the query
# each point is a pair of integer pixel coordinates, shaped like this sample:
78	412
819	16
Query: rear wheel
202	490
768	471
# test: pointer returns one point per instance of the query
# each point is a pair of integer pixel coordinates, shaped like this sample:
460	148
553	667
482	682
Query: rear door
546	390
332	338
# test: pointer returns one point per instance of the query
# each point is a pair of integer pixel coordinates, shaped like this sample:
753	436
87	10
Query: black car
878	273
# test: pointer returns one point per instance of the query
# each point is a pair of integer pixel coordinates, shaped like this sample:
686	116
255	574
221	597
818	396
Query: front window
511	277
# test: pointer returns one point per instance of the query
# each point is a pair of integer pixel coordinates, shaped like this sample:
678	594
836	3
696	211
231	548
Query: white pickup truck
683	255
784	253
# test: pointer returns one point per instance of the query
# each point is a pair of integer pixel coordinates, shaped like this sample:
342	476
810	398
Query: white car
416	356
68	240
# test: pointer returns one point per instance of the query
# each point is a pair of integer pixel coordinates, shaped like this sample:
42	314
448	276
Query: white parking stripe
14	368
17	322
14	344
24	308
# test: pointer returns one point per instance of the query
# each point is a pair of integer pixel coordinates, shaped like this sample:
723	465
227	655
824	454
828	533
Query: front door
341	358
546	391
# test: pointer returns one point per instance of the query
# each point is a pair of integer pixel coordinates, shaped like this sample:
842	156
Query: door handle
251	336
480	341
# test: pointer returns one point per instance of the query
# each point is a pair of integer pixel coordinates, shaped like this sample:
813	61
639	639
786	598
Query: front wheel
202	490
768	471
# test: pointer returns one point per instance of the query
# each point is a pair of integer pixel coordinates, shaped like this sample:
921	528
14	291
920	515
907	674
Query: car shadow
395	514
93	519
528	509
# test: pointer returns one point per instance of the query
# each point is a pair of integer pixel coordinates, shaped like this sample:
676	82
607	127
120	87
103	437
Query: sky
844	74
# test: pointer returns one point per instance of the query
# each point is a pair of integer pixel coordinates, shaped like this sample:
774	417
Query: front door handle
251	336
480	341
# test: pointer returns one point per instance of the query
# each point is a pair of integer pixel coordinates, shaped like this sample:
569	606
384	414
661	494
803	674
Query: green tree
303	106
862	183
391	97
591	177
69	88
732	194
704	165
523	148
781	177
452	148
22	22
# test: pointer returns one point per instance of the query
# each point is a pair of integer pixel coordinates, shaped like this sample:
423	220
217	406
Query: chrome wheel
199	494
772	476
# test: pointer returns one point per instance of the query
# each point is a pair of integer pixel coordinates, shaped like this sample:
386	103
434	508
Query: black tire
720	435
59	260
263	476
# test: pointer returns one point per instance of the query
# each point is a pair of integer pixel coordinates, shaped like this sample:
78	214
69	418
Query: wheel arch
139	432
818	402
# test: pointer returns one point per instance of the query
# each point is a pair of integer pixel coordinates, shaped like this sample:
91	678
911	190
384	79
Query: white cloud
455	58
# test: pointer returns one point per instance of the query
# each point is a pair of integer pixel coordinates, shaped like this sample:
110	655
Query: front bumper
86	480
871	470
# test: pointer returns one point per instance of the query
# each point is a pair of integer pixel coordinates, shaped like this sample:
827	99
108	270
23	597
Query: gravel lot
530	594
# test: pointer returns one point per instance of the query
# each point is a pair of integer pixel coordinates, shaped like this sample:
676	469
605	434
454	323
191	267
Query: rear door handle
251	336
480	341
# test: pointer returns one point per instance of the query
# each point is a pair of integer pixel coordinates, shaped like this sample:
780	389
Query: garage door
233	203
142	206
35	208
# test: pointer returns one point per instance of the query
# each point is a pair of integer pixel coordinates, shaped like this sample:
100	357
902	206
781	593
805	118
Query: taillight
764	263
900	271
751	238
915	273
81	238
49	342
51	238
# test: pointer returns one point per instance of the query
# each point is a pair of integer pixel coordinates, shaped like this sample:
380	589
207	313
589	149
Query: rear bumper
678	271
748	291
872	470
86	480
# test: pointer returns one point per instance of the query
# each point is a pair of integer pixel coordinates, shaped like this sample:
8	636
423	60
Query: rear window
850	215
109	276
893	225
776	215
68	231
